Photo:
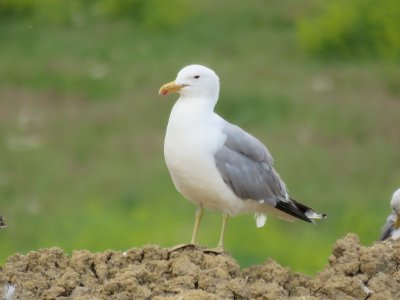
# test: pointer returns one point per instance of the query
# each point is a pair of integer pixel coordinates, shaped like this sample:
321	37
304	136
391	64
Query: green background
82	125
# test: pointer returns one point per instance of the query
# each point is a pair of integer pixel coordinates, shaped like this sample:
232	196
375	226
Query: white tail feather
260	219
314	216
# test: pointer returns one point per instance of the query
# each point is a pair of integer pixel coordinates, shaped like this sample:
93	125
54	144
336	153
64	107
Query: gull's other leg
225	218
199	215
220	248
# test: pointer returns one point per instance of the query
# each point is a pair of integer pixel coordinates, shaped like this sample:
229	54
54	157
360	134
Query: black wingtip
291	208
385	235
299	210
387	231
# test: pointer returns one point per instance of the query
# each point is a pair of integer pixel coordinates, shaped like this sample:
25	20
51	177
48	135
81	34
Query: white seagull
392	227
217	165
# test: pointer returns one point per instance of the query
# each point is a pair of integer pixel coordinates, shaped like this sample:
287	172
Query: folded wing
247	168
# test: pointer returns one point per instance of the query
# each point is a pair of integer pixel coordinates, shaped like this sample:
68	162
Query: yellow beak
170	87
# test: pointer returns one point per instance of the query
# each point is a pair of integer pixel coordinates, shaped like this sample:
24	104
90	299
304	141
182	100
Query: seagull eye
196	77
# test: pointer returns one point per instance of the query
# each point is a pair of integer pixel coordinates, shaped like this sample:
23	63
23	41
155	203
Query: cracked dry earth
354	272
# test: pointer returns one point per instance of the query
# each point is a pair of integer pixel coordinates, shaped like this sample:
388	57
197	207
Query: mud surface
353	272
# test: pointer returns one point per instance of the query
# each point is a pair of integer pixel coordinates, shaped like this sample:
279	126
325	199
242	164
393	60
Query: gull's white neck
201	105
191	118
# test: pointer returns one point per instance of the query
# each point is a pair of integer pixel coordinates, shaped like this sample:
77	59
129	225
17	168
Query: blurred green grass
82	127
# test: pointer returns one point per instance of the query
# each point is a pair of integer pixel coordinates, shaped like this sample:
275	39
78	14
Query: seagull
2	223
217	165
392	227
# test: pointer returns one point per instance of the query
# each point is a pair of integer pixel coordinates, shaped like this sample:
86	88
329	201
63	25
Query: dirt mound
354	272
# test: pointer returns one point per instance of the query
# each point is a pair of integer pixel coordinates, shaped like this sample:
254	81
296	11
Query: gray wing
246	167
388	228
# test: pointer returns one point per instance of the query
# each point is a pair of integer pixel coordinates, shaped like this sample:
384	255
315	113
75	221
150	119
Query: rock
354	272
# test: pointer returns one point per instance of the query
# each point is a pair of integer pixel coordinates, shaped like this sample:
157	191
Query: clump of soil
353	272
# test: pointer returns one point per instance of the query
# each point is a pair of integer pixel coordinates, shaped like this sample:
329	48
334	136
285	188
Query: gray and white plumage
2	222
246	166
392	227
216	164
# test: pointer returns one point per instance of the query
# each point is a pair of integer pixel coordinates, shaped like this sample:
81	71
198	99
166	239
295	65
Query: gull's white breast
193	136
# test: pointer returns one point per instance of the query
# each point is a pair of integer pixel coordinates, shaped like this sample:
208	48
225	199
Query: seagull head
395	204
194	81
